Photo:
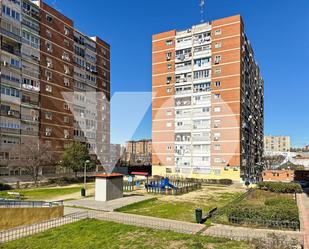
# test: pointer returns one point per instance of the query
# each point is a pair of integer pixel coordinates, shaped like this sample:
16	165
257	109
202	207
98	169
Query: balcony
202	53
183	57
202	66
183	69
29	118
31	88
184	43
11	99
202	41
201	139
10	34
201	90
182	93
183	127
30	102
184	80
10	113
183	115
11	49
202	102
201	126
9	130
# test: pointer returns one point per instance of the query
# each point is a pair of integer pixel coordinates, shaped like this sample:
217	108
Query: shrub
280	187
4	186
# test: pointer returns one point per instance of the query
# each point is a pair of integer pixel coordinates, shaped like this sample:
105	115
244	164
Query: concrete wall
107	189
13	217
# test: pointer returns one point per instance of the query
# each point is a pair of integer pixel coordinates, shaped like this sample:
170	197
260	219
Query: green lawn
179	207
42	193
92	234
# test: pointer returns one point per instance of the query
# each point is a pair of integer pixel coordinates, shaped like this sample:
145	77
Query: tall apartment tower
50	74
207	106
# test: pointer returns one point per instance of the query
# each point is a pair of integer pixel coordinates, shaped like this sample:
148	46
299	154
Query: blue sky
277	29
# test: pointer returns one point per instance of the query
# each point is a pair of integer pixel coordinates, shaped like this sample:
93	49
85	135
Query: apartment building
277	143
207	103
55	82
138	152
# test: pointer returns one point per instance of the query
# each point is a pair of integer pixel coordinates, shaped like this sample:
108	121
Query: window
48	116
169	66
168	124
49	19
48	75
169	147
168	90
168	79
218	32
217	147
168	56
169	42
66	30
218	45
66	43
218	70
66	69
217	136
65	106
49	46
168	159
48	88
217	123
48	132
66	81
49	62
49	34
66	119
217	109
168	113
217	59
218	83
65	56
66	133
201	74
217	96
217	160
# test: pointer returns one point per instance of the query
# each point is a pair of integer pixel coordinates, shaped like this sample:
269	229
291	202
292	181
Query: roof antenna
202	5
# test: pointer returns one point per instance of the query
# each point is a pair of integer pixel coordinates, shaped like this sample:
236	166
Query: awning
139	173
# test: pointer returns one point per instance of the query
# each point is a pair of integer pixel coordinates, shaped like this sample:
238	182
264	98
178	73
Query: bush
280	187
218	181
4	186
69	180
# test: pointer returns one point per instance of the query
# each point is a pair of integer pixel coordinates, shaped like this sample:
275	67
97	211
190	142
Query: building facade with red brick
207	103
57	72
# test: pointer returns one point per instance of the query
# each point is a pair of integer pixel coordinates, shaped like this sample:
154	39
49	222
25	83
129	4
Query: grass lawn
43	193
94	234
263	206
183	207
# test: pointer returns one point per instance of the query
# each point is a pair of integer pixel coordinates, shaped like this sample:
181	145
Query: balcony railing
183	92
31	88
183	80
202	41
11	50
10	113
196	127
11	34
202	138
9	130
183	127
202	53
183	57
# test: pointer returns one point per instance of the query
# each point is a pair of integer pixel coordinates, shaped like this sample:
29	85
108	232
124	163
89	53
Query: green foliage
262	208
75	156
218	181
62	181
280	187
4	186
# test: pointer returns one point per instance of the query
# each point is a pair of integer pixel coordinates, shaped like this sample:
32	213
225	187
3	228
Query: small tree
75	156
32	156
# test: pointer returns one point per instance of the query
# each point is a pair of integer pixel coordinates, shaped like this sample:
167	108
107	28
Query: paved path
90	203
303	204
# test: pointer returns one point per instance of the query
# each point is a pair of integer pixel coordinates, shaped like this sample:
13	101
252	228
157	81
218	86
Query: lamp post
85	177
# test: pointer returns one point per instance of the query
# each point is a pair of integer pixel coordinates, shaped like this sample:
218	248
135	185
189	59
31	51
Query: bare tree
32	156
272	162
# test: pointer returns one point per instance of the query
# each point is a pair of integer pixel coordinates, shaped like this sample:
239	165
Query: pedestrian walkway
91	203
303	205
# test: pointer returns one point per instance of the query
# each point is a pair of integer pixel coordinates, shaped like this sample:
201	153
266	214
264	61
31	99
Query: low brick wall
13	217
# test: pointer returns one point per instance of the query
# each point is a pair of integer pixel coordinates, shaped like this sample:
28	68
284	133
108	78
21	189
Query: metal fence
8	203
20	232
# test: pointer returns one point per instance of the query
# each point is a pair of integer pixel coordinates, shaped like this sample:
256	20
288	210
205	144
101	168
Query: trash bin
83	192
198	215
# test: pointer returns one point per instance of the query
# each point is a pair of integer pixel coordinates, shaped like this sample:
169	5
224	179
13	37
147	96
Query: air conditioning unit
10	113
48	78
66	136
49	64
47	133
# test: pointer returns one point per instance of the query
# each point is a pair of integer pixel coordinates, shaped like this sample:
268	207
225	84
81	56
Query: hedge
280	187
4	186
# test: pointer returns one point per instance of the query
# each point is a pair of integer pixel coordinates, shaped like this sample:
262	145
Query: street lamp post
85	174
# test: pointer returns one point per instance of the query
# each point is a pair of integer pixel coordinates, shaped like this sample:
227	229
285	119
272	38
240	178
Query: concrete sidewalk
303	205
90	203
